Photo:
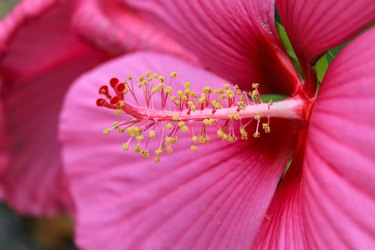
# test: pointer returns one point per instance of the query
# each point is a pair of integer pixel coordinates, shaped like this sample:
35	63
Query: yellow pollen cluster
180	113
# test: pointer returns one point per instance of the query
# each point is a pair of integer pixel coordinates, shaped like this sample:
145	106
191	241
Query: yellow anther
230	94
193	148
216	104
218	91
157	159
168	90
203	139
125	146
180	93
270	103
169	125
155	89
155	75
161	78
132	131
139	138
256	134
237	89
194	138
118	112
121	103
145	153
226	86
175	140
242	105
243	134
148	73
169	149
120	129
115	124
151	133
231	138
185	129
207	89
175	118
258	116
177	102
202	99
181	124
172	98
191	105
173	74
254	93
158	151
255	85
126	90
130	77
137	149
209	121
187	85
266	127
220	133
106	131
169	139
234	116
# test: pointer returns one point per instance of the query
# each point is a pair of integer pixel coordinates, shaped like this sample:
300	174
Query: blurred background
24	233
6	6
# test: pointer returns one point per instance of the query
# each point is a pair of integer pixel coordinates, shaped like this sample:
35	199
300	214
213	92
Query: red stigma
103	90
113	82
115	100
100	102
120	87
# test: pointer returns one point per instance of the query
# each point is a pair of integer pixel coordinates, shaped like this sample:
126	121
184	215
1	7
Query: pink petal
41	60
23	12
236	39
213	198
316	26
339	162
115	27
282	226
328	204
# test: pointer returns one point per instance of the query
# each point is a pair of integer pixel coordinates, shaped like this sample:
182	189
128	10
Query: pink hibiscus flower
42	52
223	196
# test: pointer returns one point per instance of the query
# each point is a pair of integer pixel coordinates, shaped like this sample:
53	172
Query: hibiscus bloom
223	195
44	46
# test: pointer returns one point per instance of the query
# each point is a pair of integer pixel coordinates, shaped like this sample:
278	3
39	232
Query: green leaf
273	97
288	47
321	67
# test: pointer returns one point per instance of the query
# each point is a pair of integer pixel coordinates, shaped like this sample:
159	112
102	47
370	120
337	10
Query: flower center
157	115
